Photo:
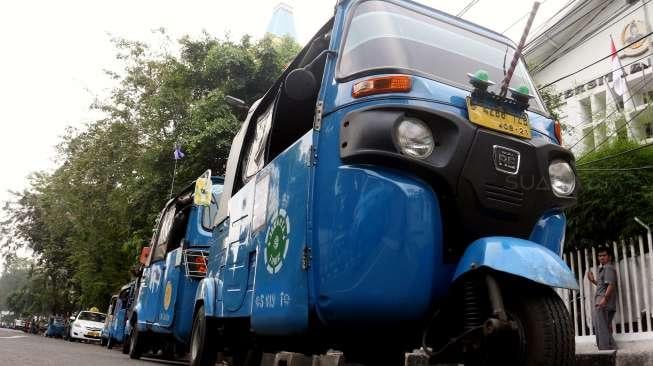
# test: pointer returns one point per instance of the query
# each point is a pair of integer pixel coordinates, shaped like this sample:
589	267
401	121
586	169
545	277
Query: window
209	212
382	36
164	232
256	152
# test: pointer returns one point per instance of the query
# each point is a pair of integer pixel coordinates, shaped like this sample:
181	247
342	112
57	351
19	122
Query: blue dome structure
282	22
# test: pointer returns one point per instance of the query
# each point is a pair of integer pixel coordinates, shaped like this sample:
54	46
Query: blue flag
178	154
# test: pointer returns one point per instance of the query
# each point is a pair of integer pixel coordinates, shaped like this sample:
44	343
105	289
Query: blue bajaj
383	197
175	262
114	329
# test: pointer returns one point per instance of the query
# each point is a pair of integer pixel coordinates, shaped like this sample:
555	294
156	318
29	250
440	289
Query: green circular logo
276	242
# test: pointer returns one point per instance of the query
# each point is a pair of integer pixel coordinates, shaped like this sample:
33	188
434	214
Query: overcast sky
54	53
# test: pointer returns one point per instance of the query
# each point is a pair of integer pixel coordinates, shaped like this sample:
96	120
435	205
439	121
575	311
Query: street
22	349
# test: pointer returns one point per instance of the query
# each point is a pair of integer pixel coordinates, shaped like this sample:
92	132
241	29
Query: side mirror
72	318
145	252
300	84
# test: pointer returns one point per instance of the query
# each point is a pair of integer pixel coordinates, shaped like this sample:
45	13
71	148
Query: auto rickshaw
386	200
114	327
172	267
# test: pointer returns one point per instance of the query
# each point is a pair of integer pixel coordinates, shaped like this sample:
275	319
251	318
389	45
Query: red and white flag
619	84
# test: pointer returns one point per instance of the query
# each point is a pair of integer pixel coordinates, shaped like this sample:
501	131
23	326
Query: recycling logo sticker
276	242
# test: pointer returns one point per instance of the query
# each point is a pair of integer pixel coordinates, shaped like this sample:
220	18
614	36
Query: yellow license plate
93	334
497	120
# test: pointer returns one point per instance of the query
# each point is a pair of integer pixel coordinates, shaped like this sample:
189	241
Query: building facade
282	22
594	108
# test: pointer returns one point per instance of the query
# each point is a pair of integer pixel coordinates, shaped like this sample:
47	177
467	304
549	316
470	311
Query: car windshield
382	35
94	317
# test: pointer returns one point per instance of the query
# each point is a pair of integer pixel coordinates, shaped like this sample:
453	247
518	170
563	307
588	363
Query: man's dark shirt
607	276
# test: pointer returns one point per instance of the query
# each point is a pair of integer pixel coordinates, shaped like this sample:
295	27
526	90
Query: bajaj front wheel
543	333
202	352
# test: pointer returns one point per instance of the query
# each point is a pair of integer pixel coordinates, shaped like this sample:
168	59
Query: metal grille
505	195
195	262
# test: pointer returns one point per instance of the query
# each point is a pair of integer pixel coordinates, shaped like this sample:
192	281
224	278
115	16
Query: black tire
103	342
135	343
125	345
545	335
110	343
202	353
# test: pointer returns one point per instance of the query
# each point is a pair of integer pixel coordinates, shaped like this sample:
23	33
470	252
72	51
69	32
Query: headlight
563	180
414	138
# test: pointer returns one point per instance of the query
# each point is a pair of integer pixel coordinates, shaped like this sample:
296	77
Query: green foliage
609	200
87	221
552	101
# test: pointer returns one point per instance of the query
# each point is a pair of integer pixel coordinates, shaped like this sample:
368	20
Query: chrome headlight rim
399	135
563	168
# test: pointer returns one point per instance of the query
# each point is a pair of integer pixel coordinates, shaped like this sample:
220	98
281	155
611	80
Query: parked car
162	316
385	189
87	326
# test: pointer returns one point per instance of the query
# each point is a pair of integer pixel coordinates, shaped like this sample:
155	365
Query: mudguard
518	257
207	294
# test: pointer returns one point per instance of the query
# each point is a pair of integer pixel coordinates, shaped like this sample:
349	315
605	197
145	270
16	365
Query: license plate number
498	120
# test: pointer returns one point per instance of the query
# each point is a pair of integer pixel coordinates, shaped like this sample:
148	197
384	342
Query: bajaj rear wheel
202	352
543	336
135	344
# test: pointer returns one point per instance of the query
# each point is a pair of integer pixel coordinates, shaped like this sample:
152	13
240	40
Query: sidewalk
633	349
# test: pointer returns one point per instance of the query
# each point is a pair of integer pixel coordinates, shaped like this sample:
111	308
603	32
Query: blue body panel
518	257
165	301
549	231
278	304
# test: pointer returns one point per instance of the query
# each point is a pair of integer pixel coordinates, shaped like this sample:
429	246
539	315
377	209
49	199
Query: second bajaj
382	197
172	267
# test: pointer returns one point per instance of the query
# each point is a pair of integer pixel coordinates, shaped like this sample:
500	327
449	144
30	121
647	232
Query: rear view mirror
300	84
145	253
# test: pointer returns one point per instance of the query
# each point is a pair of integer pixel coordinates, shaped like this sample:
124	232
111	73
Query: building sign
633	32
580	89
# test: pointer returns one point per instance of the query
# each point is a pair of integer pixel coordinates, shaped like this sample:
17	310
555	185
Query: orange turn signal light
382	84
557	128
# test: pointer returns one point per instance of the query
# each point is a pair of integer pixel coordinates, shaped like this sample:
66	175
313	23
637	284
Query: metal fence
634	265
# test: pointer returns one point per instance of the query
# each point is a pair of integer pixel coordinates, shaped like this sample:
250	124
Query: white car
87	326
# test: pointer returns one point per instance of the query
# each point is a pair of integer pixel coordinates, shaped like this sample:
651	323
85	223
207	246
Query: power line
595	62
616	155
467	7
638	88
526	14
615	169
592	18
599	29
612	134
579	8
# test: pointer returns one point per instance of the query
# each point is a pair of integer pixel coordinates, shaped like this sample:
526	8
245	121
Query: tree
87	221
609	199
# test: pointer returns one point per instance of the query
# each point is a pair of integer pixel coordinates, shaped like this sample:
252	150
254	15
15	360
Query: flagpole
625	81
174	174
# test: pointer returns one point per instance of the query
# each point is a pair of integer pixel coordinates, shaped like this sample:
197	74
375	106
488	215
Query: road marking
13	337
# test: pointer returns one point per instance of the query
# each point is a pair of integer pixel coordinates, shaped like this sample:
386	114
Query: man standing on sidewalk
605	300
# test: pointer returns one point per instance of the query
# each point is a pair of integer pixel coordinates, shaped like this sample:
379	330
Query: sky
54	54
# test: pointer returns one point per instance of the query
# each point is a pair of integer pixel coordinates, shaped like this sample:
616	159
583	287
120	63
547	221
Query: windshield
94	317
382	35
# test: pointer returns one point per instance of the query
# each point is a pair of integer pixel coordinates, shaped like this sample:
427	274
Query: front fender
206	294
518	257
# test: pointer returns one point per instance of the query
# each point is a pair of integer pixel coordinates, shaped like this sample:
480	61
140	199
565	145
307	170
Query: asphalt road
20	349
